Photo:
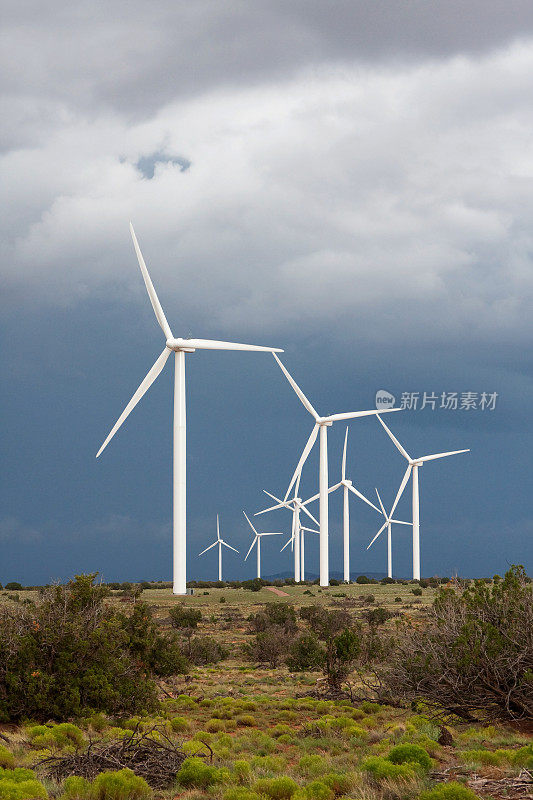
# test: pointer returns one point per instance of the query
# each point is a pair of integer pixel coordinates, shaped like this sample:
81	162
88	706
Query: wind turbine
257	539
296	505
220	542
293	539
322	424
179	347
387	524
347	486
412	467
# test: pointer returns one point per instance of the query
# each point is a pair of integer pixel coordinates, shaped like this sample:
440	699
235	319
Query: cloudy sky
351	181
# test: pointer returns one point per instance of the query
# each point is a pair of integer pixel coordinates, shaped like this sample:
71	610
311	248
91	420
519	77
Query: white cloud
400	197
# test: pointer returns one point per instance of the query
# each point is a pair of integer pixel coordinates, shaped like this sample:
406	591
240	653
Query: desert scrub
268	765
121	785
281	730
240	793
20	784
281	788
383	769
55	736
196	774
180	724
341	783
316	790
7	759
312	766
524	757
410	754
242	772
76	788
449	791
246	720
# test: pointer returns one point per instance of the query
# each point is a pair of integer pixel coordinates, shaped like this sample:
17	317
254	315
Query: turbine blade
343	468
377	534
381	504
297	484
442	455
354	414
218	530
400	447
306	511
334	488
208	548
228	545
400	490
310	530
272	508
273	496
250	524
270	533
250	550
213	344
286	545
361	496
400	522
303	458
143	388
297	389
156	305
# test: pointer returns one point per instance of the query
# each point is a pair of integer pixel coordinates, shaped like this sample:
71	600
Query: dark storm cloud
136	56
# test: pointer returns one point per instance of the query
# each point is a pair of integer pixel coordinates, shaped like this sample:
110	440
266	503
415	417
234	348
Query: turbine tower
348	487
220	542
412	467
387	524
180	347
257	539
292	542
322	424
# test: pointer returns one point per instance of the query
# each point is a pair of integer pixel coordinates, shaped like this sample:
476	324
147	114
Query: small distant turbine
322	424
413	465
179	347
387	524
257	540
347	487
220	542
292	541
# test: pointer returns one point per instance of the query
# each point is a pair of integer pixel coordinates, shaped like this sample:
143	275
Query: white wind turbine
292	541
296	505
387	524
180	348
257	540
220	542
412	467
322	424
347	487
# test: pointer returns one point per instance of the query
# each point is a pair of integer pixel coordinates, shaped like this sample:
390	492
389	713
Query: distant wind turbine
387	524
257	541
220	542
412	467
322	424
292	541
180	347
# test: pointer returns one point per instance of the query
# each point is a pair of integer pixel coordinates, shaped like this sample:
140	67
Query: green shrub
240	793
312	766
381	769
20	784
215	725
486	757
179	724
76	788
524	757
449	791
195	773
410	754
245	721
242	772
98	722
339	782
316	790
370	708
7	759
267	764
281	788
121	785
281	730
306	653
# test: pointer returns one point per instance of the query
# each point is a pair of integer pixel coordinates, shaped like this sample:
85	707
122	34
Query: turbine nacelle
179	344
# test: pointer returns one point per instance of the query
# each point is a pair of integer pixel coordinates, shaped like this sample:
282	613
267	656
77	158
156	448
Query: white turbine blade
312	499
400	447
297	484
208	548
442	455
228	545
377	534
297	389
273	496
381	504
400	490
143	388
156	305
400	522
303	458
250	524
271	508
250	550
218	530
355	414
286	545
310	530
335	487
213	344
270	533
306	511
343	468
361	496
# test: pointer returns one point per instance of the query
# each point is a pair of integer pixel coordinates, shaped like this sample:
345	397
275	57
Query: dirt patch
277	591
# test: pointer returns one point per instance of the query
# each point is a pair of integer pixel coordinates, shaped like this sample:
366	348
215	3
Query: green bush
524	757
306	653
195	773
410	754
281	788
179	724
316	790
281	730
245	720
449	791
312	766
76	788
20	784
7	759
339	782
240	793
486	757
121	785
381	769
242	772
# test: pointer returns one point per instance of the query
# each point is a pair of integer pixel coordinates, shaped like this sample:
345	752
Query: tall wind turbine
387	524
220	542
347	487
322	424
296	505
179	347
412	467
292	541
257	541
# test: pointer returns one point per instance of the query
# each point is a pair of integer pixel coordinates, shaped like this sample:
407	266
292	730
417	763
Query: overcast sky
351	181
